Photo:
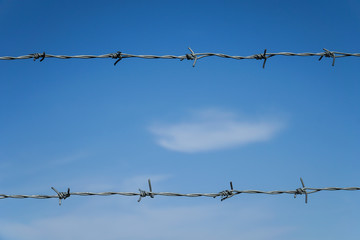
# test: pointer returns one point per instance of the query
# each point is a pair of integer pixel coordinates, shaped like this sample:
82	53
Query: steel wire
191	56
223	194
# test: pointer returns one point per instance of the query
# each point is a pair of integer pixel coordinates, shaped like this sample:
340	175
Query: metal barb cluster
62	195
301	191
328	54
263	56
39	55
223	194
116	56
190	56
227	193
144	193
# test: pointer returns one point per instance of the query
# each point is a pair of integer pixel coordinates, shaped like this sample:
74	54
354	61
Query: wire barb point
62	195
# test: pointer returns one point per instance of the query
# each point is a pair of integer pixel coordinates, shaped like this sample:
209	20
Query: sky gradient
90	126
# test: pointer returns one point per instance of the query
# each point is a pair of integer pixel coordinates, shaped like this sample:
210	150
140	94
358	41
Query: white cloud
213	129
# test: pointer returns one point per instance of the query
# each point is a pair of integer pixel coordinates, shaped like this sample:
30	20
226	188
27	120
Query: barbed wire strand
223	194
190	56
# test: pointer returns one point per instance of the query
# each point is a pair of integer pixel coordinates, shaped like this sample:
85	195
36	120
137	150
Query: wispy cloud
69	158
214	129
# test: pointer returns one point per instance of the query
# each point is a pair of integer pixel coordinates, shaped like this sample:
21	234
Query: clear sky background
90	126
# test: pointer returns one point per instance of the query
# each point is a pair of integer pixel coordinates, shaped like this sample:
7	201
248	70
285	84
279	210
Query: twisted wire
173	194
190	56
223	194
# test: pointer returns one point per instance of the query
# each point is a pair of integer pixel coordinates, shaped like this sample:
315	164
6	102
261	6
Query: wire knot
191	56
261	56
117	56
328	54
39	55
226	193
144	193
301	191
62	195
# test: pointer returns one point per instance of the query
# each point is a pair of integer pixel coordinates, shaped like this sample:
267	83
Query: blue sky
90	126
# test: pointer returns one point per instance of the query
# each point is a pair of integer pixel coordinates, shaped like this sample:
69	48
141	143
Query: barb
116	56
62	195
144	193
190	56
39	55
301	191
227	193
329	54
223	194
263	56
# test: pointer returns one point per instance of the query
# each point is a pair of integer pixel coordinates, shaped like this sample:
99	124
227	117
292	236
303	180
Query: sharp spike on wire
226	193
262	56
62	195
150	188
329	54
265	58
39	55
143	193
306	195
193	56
301	191
117	56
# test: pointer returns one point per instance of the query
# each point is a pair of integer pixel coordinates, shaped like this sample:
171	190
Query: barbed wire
190	56
223	194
